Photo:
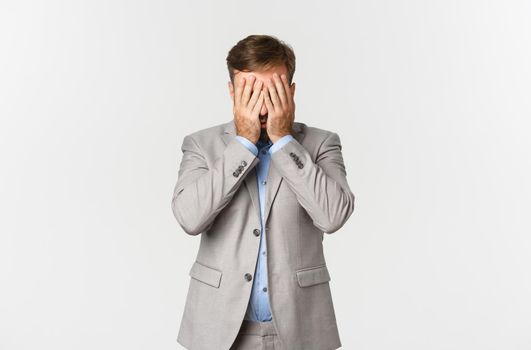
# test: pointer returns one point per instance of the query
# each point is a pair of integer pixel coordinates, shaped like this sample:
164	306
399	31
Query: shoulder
318	135
312	134
208	132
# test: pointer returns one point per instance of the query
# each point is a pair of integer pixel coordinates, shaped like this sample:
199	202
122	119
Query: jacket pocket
205	274
312	275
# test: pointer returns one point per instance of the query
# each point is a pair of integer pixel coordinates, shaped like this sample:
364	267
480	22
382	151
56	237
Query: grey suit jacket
216	195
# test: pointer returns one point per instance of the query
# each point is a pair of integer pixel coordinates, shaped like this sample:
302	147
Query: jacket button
244	163
248	276
235	174
256	232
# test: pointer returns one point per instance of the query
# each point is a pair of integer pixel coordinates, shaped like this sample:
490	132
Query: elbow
185	220
344	213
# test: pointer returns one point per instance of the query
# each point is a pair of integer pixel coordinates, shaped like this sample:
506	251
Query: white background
431	100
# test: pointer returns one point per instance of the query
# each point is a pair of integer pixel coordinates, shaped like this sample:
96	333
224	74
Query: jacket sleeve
201	192
321	187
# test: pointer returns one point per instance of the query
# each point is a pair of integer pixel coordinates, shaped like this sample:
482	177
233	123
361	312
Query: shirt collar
262	144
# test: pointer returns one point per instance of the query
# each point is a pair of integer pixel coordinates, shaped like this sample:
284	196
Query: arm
250	146
202	192
321	187
280	143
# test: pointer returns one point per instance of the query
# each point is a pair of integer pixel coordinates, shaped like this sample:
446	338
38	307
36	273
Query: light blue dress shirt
258	308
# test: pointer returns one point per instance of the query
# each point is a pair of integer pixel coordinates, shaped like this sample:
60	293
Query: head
261	56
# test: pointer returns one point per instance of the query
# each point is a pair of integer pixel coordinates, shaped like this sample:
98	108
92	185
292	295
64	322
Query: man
261	190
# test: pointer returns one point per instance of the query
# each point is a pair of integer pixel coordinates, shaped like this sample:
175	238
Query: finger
247	90
273	94
285	83
280	90
258	106
268	103
238	90
256	93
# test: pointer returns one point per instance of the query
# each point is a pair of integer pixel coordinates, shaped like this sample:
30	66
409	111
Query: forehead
260	74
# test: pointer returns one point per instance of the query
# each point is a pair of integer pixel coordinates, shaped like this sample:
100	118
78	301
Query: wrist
275	138
249	138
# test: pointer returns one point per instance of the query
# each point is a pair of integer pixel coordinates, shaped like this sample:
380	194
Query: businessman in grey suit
261	190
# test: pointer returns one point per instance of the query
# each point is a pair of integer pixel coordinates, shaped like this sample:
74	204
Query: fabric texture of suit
216	196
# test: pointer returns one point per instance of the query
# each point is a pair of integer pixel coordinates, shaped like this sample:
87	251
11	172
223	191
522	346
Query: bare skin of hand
280	107
248	101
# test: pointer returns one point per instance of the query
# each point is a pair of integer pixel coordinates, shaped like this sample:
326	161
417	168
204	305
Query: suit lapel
274	179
